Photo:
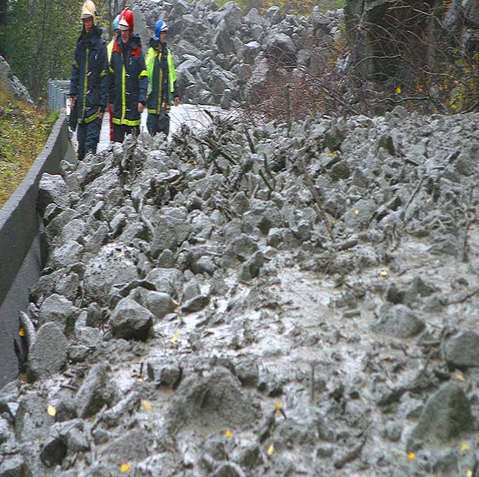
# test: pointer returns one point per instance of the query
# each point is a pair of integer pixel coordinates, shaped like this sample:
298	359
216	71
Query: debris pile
264	299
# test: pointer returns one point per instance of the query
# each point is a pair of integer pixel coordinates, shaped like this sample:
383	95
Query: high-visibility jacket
161	70
109	49
128	81
89	81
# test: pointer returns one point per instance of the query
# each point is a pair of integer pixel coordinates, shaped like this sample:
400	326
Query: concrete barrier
21	258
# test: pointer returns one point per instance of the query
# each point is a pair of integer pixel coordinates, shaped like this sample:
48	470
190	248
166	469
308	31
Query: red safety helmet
127	20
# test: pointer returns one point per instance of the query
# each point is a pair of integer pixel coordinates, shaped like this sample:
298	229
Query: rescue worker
128	79
161	81
89	81
116	32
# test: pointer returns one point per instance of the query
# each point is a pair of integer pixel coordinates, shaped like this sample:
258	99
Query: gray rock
393	431
398	321
340	170
12	83
158	303
164	372
13	466
228	469
32	422
196	303
251	268
114	265
66	255
446	415
57	309
462	350
250	51
5	432
249	456
49	352
95	392
52	190
133	446
166	280
53	451
242	247
213	401
281	48
130	320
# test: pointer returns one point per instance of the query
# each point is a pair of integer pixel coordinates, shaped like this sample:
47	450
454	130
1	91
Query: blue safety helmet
160	26
116	23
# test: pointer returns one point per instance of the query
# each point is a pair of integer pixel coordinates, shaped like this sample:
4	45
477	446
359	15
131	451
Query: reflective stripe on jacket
89	82
128	81
155	71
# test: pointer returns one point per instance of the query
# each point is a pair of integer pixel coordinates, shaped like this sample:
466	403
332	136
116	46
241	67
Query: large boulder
130	320
281	49
114	265
52	190
95	392
462	350
49	352
446	415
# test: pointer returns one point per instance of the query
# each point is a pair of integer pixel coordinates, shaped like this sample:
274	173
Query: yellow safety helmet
88	10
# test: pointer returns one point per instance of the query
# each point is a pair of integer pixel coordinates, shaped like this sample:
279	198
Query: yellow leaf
465	447
458	376
229	434
398	90
52	410
383	273
270	450
125	468
175	337
21	332
146	405
469	473
411	456
278	407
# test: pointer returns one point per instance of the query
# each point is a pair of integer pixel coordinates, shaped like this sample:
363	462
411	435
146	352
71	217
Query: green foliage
301	7
23	132
38	40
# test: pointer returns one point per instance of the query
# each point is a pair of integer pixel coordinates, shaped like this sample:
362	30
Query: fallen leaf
469	473
125	468
175	337
52	410
383	274
229	434
411	456
356	211
278	407
146	405
458	376
270	450
398	90
465	447
21	332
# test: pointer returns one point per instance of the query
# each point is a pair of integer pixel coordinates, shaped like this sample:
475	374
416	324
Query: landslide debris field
248	302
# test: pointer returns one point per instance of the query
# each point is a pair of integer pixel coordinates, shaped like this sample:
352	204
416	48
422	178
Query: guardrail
57	94
21	259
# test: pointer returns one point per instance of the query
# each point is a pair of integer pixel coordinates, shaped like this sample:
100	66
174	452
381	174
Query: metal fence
57	94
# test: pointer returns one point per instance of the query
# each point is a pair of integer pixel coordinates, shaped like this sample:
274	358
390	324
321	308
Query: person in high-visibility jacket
116	31
162	91
89	81
128	81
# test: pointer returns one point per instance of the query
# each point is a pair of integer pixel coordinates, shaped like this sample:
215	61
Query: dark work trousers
119	132
88	136
158	123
